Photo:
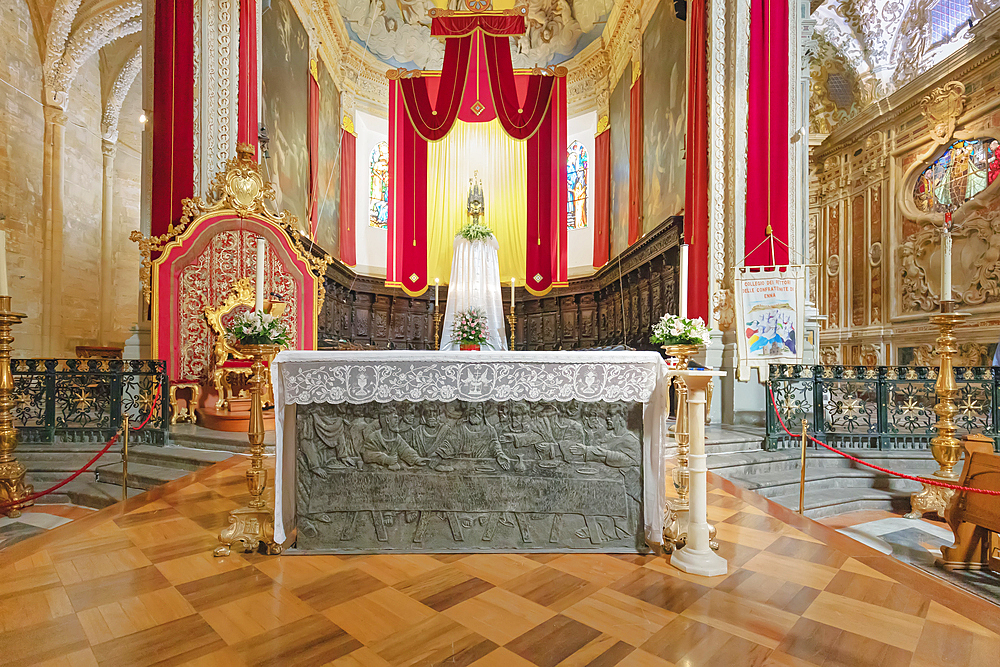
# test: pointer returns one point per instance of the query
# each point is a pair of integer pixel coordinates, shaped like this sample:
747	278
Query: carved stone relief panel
833	279
465	477
859	262
875	252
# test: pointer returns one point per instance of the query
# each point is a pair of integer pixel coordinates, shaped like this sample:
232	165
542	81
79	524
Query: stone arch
86	40
119	89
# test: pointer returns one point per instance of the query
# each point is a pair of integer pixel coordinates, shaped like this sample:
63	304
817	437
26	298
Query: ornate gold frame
242	294
242	190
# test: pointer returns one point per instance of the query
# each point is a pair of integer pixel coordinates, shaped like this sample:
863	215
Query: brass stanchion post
946	448
125	430
12	486
802	470
253	525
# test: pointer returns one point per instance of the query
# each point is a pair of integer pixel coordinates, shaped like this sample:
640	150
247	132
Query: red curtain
173	112
433	120
313	120
348	166
247	121
635	162
490	24
602	198
407	228
696	185
545	256
767	145
520	119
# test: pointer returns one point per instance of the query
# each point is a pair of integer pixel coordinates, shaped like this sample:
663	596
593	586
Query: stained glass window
947	16
965	170
378	189
576	186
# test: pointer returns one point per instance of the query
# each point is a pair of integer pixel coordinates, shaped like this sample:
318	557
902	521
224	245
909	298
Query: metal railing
84	400
876	408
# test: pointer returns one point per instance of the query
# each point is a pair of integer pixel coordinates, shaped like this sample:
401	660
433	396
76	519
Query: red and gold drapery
767	143
535	112
602	197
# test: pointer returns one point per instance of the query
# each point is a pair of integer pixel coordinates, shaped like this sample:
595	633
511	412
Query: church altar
462	452
475	282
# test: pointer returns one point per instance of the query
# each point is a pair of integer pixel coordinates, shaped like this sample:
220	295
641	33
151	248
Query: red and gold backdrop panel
200	268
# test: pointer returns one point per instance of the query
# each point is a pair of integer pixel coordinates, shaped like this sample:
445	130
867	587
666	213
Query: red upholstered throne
209	257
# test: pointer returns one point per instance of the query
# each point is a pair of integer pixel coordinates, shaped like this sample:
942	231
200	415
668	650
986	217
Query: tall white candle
946	266
437	286
682	297
513	281
3	264
258	303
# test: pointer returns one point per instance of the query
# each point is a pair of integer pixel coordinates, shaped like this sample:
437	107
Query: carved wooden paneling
590	312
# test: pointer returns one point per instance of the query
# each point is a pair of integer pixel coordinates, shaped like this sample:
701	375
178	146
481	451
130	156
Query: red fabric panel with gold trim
434	120
545	255
501	25
696	185
602	198
248	95
348	168
520	119
407	229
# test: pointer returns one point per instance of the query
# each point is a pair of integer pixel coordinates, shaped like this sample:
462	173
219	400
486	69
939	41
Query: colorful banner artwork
769	316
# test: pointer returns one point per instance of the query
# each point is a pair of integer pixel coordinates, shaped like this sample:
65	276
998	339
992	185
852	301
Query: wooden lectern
975	517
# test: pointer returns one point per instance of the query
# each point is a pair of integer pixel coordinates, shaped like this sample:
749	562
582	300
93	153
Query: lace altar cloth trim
365	383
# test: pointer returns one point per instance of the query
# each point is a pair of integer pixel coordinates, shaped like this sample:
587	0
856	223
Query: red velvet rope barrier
111	443
922	480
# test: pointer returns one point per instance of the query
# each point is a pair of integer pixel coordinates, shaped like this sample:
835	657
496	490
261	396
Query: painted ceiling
398	31
869	48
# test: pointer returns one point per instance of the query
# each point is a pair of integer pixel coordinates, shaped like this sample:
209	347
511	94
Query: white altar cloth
475	281
305	377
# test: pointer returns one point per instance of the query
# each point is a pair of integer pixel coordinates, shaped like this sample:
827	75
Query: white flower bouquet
676	330
258	328
470	327
476	231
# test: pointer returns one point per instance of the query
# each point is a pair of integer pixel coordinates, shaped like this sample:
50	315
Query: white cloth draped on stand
475	282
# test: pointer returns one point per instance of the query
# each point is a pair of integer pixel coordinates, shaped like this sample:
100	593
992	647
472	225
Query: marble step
832	502
750	464
771	485
198	437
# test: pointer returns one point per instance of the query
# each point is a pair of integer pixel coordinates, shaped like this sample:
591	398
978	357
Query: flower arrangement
676	330
258	328
476	231
469	327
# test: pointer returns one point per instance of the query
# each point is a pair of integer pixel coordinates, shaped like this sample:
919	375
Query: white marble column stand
697	557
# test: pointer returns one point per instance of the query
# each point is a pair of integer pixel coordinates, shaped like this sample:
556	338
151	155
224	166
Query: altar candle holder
253	525
513	328
946	448
437	328
12	486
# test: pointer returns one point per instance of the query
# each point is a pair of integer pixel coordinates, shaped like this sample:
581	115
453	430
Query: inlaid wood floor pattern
136	584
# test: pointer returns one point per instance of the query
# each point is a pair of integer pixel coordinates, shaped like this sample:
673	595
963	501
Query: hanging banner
770	313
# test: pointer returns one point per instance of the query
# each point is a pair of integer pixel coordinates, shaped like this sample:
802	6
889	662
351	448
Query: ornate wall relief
833	266
859	263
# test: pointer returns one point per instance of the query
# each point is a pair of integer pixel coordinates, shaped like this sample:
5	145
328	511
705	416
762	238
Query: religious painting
664	96
769	318
577	168
965	170
378	186
620	142
285	96
470	476
328	169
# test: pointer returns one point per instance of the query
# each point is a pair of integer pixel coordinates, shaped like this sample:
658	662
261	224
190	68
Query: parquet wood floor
136	584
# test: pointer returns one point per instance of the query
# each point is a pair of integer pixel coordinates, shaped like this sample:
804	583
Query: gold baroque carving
240	188
942	107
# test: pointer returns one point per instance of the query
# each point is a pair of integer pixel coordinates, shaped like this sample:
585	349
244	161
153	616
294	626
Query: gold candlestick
437	328
513	330
253	525
946	448
12	486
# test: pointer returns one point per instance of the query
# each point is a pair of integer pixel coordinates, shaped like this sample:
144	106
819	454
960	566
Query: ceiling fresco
869	48
398	31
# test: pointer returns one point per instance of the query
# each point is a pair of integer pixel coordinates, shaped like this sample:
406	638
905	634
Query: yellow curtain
501	163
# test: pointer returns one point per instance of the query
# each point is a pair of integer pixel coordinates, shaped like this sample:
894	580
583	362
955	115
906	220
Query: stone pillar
52	217
108	147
